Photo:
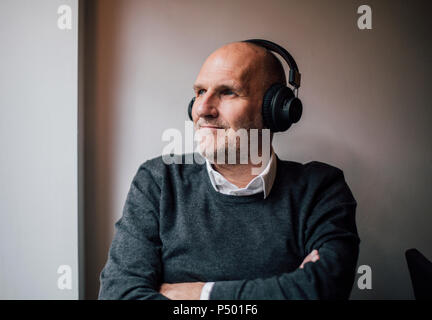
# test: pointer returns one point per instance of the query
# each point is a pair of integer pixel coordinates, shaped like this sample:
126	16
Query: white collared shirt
261	183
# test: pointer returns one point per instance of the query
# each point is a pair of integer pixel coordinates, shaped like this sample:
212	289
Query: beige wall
366	100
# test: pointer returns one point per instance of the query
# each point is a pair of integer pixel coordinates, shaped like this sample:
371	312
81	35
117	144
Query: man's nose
206	106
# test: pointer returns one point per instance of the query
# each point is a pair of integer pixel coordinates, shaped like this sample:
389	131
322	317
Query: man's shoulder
319	168
315	180
312	171
173	165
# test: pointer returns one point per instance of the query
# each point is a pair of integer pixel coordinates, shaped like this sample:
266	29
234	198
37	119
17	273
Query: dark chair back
420	269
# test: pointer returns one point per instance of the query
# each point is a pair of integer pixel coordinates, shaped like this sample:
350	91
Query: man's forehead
222	74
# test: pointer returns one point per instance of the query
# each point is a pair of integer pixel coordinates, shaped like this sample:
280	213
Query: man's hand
312	257
182	291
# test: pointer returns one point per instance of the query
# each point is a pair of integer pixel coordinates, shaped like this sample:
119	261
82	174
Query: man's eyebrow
223	86
197	86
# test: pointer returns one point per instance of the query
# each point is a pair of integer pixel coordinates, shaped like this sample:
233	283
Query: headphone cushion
191	103
267	109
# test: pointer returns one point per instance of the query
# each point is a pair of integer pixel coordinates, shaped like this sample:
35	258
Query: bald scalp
260	68
273	70
264	64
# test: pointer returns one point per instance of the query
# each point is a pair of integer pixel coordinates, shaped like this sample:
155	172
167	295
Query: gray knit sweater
176	228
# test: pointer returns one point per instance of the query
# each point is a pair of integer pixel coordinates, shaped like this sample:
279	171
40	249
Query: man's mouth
209	126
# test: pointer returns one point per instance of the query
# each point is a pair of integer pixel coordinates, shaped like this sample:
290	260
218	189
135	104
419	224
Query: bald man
212	230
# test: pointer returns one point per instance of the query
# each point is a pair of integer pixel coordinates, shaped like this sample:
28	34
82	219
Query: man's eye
201	92
228	92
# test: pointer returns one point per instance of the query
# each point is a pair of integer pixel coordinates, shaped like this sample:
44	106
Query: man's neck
238	174
241	174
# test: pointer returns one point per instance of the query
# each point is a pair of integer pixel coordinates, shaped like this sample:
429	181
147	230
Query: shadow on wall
101	74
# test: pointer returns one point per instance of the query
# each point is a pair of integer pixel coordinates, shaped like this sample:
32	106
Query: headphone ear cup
191	103
281	108
295	109
267	112
286	109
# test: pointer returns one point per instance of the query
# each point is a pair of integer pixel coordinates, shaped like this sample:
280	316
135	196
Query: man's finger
311	257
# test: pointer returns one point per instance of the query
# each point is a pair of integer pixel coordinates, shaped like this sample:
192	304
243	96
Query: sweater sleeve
330	228
133	269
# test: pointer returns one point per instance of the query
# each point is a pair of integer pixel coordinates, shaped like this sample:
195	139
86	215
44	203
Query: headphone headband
294	74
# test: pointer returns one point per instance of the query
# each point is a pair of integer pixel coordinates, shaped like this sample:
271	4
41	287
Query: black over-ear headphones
281	107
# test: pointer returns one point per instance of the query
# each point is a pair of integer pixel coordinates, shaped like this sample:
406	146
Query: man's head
230	87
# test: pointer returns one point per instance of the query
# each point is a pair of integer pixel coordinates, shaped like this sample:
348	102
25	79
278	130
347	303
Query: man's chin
211	154
208	153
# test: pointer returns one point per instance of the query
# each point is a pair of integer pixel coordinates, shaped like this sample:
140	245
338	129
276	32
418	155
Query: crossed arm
134	274
192	290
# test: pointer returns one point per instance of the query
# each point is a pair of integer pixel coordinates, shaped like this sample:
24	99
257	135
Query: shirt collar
261	183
